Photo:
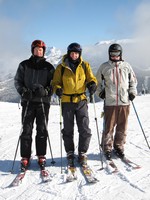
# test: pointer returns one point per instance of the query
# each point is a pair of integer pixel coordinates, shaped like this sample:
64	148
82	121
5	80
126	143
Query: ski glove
26	93
39	90
131	96
102	94
49	90
59	92
91	87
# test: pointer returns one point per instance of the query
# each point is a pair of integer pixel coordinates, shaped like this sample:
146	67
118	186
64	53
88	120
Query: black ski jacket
32	71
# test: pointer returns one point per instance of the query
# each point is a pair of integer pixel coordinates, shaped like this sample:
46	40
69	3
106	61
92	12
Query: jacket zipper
117	82
35	78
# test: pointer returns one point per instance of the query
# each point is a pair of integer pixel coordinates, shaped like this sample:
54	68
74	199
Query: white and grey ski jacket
118	80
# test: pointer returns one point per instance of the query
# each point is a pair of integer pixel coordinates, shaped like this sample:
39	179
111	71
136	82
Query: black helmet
38	43
74	47
115	48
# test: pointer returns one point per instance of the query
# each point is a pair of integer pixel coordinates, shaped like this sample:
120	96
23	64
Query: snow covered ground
128	185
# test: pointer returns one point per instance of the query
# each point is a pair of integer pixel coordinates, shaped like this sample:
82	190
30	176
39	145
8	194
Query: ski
71	174
45	176
130	163
114	169
88	174
18	179
112	166
127	162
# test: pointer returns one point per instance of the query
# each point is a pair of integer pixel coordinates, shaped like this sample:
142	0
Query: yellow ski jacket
73	84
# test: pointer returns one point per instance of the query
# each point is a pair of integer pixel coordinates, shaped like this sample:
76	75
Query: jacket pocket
124	95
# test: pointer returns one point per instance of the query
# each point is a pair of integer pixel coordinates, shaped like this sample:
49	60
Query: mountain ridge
94	54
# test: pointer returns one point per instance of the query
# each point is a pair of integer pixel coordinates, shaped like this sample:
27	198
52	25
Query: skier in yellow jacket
71	79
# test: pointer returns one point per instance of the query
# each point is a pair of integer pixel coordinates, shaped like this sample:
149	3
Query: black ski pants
30	112
80	111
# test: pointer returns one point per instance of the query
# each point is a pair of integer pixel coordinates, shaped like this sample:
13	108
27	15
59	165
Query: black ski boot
42	162
119	153
70	158
108	155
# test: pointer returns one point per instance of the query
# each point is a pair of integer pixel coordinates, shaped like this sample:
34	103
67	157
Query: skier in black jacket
33	82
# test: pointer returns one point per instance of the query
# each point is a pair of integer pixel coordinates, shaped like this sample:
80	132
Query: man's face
117	58
38	51
74	55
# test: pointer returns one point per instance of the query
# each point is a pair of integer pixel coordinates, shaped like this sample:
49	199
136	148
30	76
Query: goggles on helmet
114	53
38	43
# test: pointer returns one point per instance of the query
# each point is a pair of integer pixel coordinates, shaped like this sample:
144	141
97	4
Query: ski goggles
114	53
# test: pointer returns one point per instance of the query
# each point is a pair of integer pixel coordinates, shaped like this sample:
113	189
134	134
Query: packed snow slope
128	184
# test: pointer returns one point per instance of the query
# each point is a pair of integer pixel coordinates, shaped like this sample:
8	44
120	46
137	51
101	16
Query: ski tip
137	167
70	179
101	168
115	171
95	180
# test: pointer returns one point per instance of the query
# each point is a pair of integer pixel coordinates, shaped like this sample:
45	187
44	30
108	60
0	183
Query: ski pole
25	113
60	131
93	99
53	162
140	124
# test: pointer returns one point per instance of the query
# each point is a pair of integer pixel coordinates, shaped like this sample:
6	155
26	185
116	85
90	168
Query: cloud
142	34
12	47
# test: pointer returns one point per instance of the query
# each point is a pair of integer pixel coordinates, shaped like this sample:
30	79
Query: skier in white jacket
117	86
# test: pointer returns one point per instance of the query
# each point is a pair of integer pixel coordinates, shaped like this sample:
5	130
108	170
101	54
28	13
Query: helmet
74	47
115	48
38	43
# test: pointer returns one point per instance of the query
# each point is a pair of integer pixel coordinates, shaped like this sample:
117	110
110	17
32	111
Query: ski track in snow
126	184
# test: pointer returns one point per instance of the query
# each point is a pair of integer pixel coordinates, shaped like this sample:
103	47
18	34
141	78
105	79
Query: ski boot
82	159
108	155
42	162
24	164
119	153
70	158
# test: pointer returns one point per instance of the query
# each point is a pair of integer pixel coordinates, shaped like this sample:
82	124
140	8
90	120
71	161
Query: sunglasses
115	53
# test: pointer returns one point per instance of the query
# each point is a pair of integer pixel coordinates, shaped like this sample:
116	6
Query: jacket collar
65	61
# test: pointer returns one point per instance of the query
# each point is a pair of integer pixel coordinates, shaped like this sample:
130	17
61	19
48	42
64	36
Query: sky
61	22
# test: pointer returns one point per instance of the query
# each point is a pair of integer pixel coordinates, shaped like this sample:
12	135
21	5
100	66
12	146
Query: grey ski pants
80	111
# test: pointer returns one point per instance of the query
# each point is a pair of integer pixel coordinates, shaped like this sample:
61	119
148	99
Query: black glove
102	94
59	92
91	87
39	90
26	93
131	96
49	90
